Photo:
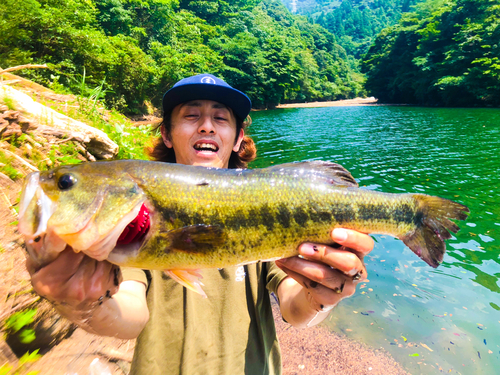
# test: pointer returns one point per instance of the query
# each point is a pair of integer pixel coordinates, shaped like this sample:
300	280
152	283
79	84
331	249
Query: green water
453	153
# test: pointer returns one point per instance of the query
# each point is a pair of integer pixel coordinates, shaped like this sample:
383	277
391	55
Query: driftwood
54	123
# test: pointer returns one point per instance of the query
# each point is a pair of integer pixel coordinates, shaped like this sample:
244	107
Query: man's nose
206	125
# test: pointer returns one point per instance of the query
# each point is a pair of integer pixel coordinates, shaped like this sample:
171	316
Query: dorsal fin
334	173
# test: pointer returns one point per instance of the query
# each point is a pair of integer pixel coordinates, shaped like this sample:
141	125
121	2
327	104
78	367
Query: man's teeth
205	146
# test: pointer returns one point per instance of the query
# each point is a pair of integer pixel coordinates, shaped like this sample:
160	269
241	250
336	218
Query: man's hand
90	293
322	276
74	279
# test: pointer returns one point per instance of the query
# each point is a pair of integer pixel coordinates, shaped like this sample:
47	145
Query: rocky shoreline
335	103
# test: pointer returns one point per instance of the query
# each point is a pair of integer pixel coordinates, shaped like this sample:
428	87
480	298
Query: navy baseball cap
207	87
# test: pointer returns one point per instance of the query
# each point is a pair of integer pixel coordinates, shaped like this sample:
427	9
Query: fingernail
358	275
339	234
308	249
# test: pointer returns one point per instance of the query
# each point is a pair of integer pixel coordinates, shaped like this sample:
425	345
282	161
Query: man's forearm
123	315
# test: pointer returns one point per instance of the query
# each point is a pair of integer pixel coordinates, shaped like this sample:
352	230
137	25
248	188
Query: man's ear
165	137
237	145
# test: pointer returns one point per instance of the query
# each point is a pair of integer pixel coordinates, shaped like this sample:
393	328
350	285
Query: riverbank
317	351
335	103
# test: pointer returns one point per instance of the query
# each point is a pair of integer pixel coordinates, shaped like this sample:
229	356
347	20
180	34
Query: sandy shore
336	103
317	351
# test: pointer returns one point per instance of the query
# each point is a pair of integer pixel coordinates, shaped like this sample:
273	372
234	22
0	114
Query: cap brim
234	99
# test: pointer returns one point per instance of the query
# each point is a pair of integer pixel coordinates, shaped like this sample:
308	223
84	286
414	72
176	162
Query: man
232	331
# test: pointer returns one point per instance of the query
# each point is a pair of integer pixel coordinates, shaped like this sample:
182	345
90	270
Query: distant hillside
355	23
444	53
132	51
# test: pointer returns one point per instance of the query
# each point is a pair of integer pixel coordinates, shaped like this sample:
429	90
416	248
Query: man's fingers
75	278
316	276
345	261
351	239
322	297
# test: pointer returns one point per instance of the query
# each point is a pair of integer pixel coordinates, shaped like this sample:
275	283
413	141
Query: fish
182	219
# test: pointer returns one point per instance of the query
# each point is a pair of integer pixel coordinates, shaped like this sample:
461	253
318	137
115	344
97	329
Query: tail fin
433	227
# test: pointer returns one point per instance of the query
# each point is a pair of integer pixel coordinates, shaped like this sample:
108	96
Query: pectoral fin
196	238
191	279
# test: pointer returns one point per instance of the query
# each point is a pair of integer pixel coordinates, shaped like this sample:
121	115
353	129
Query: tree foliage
444	53
140	48
355	23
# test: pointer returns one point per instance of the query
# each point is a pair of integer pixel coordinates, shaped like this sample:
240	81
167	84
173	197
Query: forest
137	49
434	52
444	53
355	23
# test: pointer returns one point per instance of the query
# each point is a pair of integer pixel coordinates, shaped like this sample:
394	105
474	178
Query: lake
430	320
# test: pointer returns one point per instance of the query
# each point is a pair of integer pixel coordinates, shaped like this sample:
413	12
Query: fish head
86	207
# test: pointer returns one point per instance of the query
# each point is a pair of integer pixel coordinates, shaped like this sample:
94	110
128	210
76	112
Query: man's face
203	133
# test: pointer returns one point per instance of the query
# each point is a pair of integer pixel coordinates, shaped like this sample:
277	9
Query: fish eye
66	181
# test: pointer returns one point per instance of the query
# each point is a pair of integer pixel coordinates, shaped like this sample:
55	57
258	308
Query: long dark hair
240	159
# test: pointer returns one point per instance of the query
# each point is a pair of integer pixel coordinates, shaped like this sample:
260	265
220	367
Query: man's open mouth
206	146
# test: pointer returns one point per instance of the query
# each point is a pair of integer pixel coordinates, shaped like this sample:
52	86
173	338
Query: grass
7	168
26	359
131	140
8	102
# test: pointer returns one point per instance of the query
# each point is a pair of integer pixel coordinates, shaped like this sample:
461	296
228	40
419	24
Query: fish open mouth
137	229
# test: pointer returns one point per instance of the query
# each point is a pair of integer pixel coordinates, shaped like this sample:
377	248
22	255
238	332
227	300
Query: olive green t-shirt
230	332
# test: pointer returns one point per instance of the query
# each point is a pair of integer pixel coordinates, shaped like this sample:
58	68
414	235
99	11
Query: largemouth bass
179	218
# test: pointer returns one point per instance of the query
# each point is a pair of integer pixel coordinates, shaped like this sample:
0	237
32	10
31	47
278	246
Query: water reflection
452	153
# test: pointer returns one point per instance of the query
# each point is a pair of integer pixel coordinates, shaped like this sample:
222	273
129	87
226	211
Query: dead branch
19	67
72	138
21	160
10	82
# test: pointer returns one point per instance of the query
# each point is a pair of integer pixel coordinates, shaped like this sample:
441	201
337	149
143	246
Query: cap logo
208	79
